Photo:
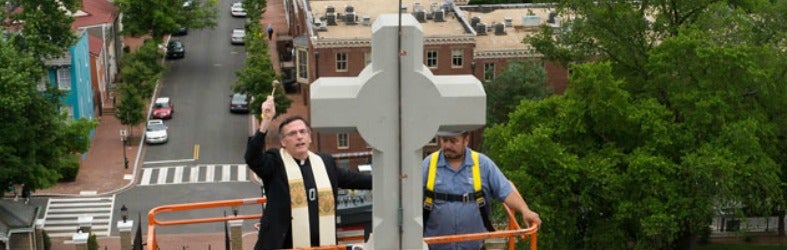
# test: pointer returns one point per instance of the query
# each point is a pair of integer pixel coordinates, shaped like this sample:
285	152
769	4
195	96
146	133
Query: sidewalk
102	170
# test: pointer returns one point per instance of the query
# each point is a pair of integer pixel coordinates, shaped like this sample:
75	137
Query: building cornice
506	53
366	42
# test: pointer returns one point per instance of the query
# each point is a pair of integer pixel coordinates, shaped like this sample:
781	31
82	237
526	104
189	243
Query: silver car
238	36
156	132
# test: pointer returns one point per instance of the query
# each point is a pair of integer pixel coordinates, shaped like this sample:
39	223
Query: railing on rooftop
512	232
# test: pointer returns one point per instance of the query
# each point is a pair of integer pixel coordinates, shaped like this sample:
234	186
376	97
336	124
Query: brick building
333	38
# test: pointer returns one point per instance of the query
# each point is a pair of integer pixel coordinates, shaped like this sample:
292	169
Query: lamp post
124	139
124	213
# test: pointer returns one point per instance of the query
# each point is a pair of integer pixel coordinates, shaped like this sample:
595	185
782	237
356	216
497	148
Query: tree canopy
665	123
38	143
45	26
161	17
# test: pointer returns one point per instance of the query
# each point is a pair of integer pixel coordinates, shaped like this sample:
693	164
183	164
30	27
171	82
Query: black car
175	49
239	103
182	31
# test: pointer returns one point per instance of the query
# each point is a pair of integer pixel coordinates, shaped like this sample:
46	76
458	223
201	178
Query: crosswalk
62	216
207	173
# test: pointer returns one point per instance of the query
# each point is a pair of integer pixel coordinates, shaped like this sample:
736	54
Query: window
303	66
342	141
41	86
431	58
341	62
343	163
64	78
489	71
367	58
69	110
456	58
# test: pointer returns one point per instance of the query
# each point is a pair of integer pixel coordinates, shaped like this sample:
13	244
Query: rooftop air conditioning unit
552	16
330	18
417	7
439	16
509	22
474	21
366	20
420	16
349	18
480	29
500	29
349	9
330	9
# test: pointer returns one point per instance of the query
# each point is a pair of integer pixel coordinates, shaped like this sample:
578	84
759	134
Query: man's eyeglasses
296	132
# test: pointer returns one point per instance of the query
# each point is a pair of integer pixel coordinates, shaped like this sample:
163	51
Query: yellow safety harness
478	193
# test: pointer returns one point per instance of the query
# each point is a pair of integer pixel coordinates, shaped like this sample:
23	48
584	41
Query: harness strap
478	193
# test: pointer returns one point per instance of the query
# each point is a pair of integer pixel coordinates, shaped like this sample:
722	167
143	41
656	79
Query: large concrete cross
397	113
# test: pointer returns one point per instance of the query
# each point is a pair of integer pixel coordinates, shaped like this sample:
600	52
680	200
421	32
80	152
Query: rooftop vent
330	9
439	16
349	9
500	29
480	29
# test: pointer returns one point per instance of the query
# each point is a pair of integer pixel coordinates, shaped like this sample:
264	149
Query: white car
156	132
238	36
237	10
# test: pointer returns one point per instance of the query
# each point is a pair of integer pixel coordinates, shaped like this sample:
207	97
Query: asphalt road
202	131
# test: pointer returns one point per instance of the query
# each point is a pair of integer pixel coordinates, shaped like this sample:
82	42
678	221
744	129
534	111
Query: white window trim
345	62
60	75
460	54
339	140
436	55
302	56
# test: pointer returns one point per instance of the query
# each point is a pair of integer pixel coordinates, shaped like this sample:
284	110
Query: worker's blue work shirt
450	217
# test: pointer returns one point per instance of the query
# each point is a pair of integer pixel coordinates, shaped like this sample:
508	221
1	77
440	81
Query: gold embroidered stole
300	206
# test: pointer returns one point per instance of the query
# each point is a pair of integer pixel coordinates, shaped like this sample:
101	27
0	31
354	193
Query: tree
161	17
45	26
130	110
520	80
257	75
38	143
678	118
142	69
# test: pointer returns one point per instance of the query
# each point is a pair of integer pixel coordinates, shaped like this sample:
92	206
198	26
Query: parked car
156	132
181	31
163	108
239	103
175	49
238	36
237	10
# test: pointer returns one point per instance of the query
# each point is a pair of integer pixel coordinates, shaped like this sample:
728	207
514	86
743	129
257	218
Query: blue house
71	74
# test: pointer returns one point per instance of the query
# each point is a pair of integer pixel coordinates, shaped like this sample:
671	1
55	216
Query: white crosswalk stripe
62	216
194	174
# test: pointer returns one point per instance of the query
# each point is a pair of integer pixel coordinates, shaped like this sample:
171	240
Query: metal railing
512	231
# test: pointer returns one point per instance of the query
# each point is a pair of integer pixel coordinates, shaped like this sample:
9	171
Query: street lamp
124	213
124	139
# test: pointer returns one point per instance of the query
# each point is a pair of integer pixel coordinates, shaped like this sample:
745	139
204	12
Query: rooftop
516	22
353	18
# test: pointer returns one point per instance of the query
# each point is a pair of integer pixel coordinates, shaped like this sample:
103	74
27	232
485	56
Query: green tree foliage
142	69
161	17
257	75
680	117
130	110
520	80
38	142
46	26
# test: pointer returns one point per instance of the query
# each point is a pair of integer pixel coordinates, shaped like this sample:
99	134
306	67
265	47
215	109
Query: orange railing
512	231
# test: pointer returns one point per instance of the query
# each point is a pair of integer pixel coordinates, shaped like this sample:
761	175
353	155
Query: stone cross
397	113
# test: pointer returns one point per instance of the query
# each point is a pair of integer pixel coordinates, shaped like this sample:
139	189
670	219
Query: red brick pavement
102	170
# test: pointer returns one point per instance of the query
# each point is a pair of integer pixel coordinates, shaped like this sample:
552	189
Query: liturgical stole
300	205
